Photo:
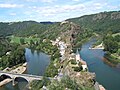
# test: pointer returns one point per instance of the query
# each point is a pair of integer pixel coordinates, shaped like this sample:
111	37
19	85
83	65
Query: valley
54	48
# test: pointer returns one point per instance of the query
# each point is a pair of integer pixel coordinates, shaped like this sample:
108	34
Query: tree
31	42
22	41
118	51
110	44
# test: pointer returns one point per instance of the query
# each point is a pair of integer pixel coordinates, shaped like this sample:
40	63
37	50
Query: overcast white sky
52	10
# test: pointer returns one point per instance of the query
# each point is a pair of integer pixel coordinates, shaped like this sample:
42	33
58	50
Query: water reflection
36	65
106	75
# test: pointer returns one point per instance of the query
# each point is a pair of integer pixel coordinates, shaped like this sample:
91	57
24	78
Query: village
82	75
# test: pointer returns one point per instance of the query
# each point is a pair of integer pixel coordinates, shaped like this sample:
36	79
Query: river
36	65
106	75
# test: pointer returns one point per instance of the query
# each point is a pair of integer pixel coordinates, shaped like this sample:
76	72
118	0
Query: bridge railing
26	75
21	74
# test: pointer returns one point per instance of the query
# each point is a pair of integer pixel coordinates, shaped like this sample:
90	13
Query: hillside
100	22
32	28
103	22
107	25
71	33
13	27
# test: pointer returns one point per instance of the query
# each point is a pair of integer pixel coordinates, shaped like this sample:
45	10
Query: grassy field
15	39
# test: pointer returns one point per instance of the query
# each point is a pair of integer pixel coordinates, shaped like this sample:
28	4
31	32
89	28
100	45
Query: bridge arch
21	79
14	77
5	76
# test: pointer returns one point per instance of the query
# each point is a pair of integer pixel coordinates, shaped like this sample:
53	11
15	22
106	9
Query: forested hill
100	22
32	28
41	30
13	27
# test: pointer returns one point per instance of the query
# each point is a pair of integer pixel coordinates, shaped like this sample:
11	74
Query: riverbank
115	60
60	67
67	75
19	70
97	86
100	46
106	75
78	70
82	77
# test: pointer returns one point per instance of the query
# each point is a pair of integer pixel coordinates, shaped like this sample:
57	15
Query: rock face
115	15
99	16
82	78
70	35
104	15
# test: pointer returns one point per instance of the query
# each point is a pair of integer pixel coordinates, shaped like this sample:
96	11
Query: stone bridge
27	77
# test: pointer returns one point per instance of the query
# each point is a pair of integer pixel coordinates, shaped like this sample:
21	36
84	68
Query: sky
52	10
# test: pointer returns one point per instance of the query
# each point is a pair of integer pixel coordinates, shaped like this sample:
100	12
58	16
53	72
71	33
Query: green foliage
81	38
31	28
111	58
22	41
66	82
73	62
7	29
11	54
36	85
78	69
110	44
117	38
118	52
51	70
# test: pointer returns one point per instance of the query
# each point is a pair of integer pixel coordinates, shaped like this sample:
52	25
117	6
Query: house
8	53
78	59
84	67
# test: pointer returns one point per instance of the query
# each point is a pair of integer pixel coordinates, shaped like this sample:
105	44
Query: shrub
73	62
77	69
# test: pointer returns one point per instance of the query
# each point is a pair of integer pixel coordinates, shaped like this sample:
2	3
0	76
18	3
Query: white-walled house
8	53
62	47
78	59
84	67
